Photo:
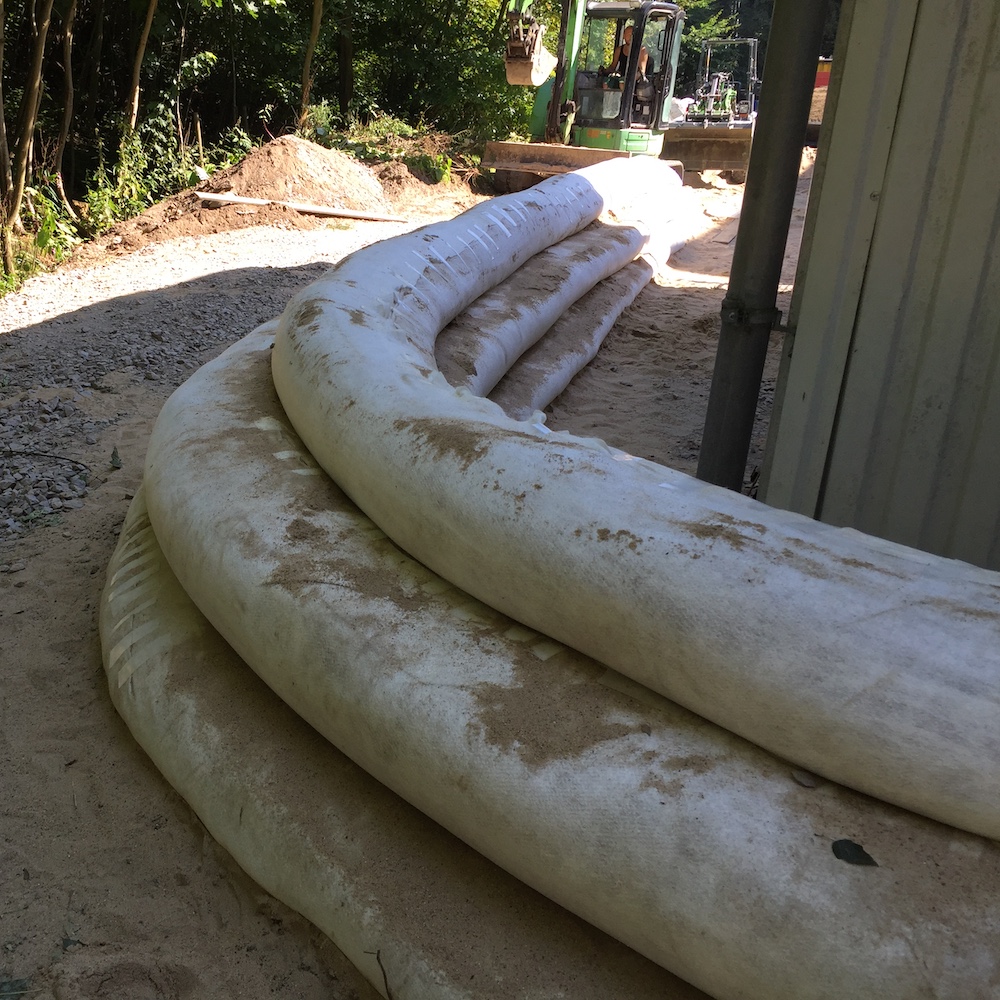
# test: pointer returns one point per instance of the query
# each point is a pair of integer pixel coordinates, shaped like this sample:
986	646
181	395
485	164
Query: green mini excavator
594	106
599	96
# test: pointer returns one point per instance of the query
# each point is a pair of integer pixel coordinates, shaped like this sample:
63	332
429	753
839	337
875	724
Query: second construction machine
612	92
715	130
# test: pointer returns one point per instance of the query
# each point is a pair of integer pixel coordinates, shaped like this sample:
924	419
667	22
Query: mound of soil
292	169
286	169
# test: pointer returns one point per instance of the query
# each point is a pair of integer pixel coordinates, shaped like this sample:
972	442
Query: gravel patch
78	343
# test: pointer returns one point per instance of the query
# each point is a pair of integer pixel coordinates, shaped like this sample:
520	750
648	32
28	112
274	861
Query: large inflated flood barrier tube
700	850
479	346
872	664
696	848
422	916
547	367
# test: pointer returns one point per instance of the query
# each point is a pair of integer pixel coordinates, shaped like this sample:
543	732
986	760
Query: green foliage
383	130
380	139
321	124
755	20
377	139
132	176
703	19
232	147
244	6
440	64
50	235
101	208
26	263
55	235
436	166
194	69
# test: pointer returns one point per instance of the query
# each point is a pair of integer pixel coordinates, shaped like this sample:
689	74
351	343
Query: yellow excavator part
543	157
528	62
518	165
530	71
709	147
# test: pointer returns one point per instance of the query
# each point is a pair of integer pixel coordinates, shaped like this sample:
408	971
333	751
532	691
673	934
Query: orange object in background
823	73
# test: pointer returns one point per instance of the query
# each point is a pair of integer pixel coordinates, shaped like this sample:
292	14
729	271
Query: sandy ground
109	885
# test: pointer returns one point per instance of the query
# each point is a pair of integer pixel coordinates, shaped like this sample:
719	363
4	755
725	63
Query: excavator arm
528	62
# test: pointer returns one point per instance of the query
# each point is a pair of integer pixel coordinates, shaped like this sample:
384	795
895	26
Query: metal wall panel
890	415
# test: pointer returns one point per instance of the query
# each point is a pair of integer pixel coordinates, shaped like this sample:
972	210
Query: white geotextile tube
477	348
689	844
545	369
407	903
873	664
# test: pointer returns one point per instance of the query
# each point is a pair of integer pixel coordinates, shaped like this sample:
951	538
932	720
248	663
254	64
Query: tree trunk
6	182
91	70
25	131
345	62
67	107
133	108
231	35
317	19
6	250
177	89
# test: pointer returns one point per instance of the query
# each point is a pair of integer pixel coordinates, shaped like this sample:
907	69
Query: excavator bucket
709	147
517	165
542	158
528	62
530	72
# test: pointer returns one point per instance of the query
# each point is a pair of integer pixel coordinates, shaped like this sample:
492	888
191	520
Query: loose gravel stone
148	318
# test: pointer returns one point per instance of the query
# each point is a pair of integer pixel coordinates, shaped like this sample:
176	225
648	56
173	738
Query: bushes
428	153
148	167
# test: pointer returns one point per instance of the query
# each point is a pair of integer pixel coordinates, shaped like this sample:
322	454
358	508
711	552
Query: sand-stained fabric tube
478	347
691	845
873	664
412	907
548	367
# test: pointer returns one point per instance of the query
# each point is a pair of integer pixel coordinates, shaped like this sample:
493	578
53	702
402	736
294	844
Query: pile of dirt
397	179
296	170
287	169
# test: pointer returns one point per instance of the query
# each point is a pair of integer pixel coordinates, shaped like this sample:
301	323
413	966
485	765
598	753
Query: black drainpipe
748	310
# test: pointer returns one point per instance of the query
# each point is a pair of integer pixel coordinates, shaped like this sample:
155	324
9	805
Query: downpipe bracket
734	313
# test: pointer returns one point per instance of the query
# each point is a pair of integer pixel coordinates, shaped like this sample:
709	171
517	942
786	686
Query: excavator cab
620	105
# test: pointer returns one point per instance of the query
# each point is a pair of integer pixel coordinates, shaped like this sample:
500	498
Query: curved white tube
545	369
694	847
409	905
478	347
873	664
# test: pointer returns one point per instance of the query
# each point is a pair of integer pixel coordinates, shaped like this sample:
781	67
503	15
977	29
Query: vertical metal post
748	310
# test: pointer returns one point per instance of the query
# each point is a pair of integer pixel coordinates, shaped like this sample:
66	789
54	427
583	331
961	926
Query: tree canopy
125	96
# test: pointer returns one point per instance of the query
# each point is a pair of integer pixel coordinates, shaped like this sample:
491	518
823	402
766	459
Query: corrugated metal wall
889	416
